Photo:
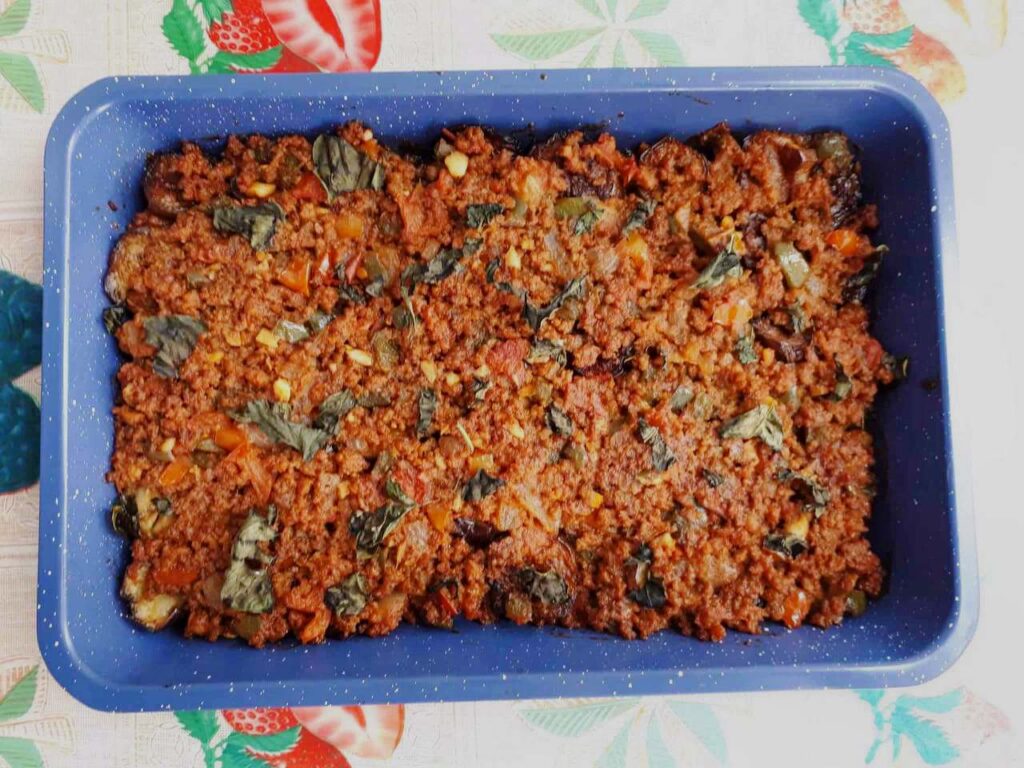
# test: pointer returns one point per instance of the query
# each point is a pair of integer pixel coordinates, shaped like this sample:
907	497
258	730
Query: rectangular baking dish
96	153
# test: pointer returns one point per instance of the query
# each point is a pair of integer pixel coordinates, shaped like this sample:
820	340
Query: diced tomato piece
175	471
296	276
248	460
795	608
508	359
229	437
309	188
175	577
349	226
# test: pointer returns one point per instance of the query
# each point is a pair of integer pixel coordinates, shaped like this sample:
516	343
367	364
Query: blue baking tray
922	529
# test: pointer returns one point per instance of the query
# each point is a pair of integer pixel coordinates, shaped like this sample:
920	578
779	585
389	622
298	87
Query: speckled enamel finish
922	525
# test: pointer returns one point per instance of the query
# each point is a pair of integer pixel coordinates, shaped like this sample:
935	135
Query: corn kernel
451	378
483	372
359	357
343	489
595	500
768	356
262	255
728	222
516	430
484	461
268	339
429	370
167	446
799	526
215	357
283	390
512	259
261	189
457	164
233	337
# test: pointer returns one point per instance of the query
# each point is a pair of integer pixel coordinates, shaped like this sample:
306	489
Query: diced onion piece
794	266
233	337
595	499
512	258
457	164
429	370
267	338
531	502
283	390
156	612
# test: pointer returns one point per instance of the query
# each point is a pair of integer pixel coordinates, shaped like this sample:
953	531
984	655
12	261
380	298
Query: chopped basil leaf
649	591
444	263
426	406
397	494
480	486
348	294
798	318
479	388
745	351
855	289
480	215
348	598
545	349
124	516
558	421
535	316
318	321
174	336
680	398
115	316
257	223
899	367
546	586
273	420
814	497
639	215
712	478
163	506
332	410
291	331
370	529
492	269
372	400
343	168
785	545
650	595
247	586
721	266
762	421
661	455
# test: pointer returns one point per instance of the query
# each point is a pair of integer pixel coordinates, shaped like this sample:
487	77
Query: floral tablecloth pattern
969	53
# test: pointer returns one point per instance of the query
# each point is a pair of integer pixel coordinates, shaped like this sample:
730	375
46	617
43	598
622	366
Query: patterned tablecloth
970	53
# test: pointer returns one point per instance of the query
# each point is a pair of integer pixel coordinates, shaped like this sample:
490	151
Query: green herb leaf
115	316
558	421
492	269
481	214
348	294
343	168
762	421
370	529
291	331
441	266
680	399
712	478
855	289
584	210
650	595
726	263
174	336
257	223
546	349
247	586
535	316
426	406
348	598
274	421
844	385
661	455
785	545
397	494
546	586
480	486
479	389
124	517
371	400
744	349
332	410
798	318
639	215
814	497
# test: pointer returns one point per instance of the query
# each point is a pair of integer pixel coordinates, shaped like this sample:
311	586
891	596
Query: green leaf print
201	725
901	720
20	72
20	753
928	739
612	6
575	719
662	48
703	723
270	744
619	55
855	54
14	19
229	62
891	42
213	10
591	57
822	16
544	45
614	755
18	700
590	6
658	755
945	702
183	31
646	8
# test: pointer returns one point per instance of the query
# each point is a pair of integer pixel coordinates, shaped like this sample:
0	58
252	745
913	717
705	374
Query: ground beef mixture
566	385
